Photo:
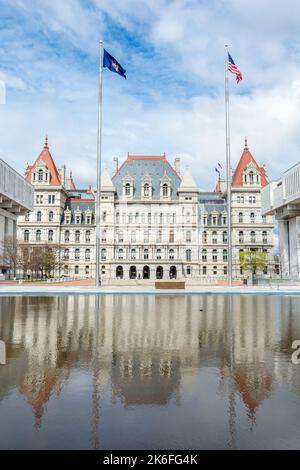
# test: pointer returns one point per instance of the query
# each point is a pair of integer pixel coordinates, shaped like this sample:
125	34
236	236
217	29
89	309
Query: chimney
116	164
177	165
62	174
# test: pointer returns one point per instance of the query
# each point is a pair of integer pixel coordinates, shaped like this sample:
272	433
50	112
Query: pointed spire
246	143
46	142
188	183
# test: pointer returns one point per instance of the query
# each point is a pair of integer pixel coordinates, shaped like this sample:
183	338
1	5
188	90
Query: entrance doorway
159	272
173	272
146	272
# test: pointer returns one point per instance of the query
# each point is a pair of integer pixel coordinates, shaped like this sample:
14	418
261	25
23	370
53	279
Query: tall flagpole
99	154
228	170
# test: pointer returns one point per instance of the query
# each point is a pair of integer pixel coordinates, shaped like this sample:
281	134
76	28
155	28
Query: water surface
147	372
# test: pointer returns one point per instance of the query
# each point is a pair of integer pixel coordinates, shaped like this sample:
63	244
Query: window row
87	254
145	254
68	272
214	237
240	199
214	219
253	237
252	218
168	237
78	217
40	199
79	237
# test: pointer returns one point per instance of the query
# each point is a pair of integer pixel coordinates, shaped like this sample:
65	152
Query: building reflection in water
148	349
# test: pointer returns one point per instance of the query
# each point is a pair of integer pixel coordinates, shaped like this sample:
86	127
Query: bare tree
10	255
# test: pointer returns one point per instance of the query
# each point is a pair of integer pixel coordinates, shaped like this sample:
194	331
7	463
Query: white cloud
60	95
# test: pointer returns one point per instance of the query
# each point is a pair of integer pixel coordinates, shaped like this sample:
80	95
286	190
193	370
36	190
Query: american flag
233	69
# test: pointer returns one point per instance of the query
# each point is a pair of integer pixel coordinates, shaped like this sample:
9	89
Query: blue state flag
110	62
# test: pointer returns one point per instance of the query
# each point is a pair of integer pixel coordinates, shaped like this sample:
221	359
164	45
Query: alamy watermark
2	353
296	354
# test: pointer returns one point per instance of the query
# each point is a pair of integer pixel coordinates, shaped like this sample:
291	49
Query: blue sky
173	99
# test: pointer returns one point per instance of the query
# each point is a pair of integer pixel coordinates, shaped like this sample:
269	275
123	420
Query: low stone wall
169	285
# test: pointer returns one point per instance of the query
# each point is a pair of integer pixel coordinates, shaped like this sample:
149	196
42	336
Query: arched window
204	255
127	189
225	237
215	270
158	236
77	254
252	217
87	254
171	254
133	253
120	253
146	236
204	270
214	237
88	236
132	272
225	255
252	237
51	216
171	236
241	218
40	175
225	270
50	236
241	237
215	255
188	236
67	236
38	216
26	235
120	236
103	253
265	237
146	253
251	177
188	255
133	236
165	190
117	217
66	254
119	272
38	235
77	236
204	237
146	190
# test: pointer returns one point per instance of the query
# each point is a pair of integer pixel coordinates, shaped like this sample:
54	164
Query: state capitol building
155	221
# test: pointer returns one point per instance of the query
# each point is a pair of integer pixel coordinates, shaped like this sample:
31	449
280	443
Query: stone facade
282	199
16	198
155	222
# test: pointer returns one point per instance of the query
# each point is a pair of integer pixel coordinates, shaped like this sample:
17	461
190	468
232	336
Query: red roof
72	184
45	156
245	159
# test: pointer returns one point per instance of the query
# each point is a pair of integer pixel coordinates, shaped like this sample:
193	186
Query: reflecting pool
147	372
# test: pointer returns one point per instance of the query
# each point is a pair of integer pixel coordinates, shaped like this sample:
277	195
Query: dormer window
88	218
127	184
165	187
127	189
251	176
146	187
40	175
78	216
67	216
